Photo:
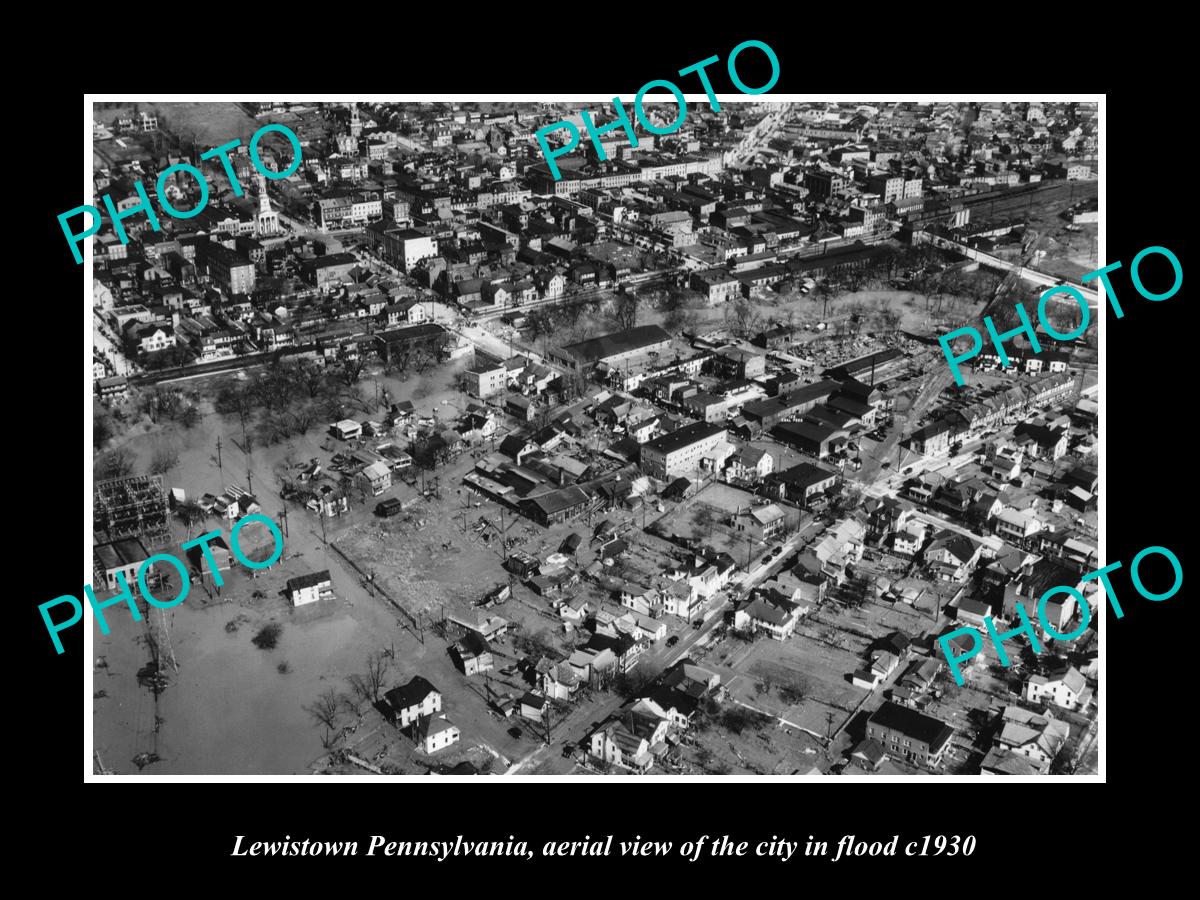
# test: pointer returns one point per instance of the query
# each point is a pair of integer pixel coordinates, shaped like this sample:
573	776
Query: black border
1146	408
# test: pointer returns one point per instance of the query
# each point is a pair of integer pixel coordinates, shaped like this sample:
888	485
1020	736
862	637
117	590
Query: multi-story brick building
682	451
228	268
907	734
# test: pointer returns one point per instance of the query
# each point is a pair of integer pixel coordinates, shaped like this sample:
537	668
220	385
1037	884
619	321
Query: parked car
673	640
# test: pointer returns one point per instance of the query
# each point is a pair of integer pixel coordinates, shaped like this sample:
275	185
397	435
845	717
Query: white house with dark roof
413	700
775	616
434	733
1068	690
951	555
763	523
377	477
305	589
750	464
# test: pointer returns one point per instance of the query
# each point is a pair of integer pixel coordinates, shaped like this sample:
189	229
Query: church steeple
267	220
264	202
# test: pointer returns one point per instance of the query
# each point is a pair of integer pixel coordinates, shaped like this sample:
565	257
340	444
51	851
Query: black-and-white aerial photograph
490	438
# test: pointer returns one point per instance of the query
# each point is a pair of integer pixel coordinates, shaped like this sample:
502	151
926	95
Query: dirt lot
704	515
423	559
809	665
774	750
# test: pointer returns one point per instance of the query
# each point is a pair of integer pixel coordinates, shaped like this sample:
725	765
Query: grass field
211	123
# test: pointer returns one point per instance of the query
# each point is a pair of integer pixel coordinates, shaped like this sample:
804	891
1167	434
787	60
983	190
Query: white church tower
266	223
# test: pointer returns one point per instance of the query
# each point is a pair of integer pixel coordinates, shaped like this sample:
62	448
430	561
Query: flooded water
228	710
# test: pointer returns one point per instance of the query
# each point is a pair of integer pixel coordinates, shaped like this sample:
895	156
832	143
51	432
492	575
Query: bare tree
350	369
626	310
824	292
165	458
325	709
310	376
743	314
359	686
352	702
189	416
378	665
303	418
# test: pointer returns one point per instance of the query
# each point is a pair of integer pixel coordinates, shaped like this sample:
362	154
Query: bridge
1026	273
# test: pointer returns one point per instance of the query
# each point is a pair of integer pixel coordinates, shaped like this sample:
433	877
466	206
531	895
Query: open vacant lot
806	679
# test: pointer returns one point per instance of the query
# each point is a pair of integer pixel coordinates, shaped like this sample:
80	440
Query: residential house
915	683
413	700
1042	441
434	733
951	555
1016	526
559	681
221	559
886	516
883	664
762	523
640	599
472	655
630	741
750	464
1037	736
1003	762
377	477
775	616
681	688
533	706
839	548
805	484
680	598
1068	689
909	540
305	589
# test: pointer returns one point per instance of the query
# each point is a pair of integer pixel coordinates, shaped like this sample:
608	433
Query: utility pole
220	468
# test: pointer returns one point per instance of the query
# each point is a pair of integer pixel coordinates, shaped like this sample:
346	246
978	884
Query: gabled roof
305	581
915	725
411	694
